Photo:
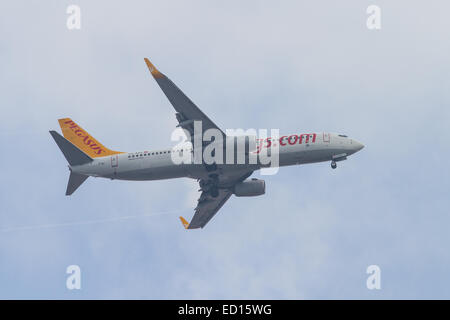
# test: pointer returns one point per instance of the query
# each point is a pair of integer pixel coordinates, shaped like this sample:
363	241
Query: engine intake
250	188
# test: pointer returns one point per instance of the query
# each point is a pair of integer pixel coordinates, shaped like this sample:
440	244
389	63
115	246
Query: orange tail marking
83	140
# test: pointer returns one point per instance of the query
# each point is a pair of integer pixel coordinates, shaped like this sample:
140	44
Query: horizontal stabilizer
73	154
75	180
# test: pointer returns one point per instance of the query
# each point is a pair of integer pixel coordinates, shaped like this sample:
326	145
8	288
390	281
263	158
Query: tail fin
73	155
75	180
83	140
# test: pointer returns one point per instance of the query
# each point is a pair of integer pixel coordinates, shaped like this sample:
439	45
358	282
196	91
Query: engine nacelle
250	188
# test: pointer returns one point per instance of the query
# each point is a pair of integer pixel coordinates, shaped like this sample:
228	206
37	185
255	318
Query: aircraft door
326	137
114	161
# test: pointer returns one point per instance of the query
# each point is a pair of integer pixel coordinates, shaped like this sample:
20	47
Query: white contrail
79	223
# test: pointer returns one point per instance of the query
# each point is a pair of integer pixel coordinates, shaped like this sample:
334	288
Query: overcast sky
296	66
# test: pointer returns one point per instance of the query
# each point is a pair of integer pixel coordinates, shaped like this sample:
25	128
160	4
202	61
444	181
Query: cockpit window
343	135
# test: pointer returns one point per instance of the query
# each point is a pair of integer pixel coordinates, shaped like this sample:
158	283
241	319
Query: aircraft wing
187	111
208	205
206	208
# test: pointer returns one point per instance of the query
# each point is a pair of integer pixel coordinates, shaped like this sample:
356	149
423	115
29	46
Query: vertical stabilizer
83	140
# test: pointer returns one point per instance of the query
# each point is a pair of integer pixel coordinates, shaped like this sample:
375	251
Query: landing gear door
326	137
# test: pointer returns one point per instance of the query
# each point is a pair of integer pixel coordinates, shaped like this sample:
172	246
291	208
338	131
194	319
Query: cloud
292	66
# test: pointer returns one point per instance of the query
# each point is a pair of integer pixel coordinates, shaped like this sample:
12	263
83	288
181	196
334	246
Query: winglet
184	222
155	73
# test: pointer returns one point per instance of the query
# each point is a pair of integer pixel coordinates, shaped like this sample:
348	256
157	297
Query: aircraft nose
357	145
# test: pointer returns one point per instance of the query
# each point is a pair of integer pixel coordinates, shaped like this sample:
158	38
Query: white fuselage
157	165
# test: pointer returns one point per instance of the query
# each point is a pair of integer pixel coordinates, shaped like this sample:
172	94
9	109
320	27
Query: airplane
218	181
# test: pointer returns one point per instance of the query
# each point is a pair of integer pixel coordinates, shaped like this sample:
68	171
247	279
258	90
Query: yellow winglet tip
184	222
152	69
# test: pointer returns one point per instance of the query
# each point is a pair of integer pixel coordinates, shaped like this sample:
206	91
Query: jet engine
250	188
